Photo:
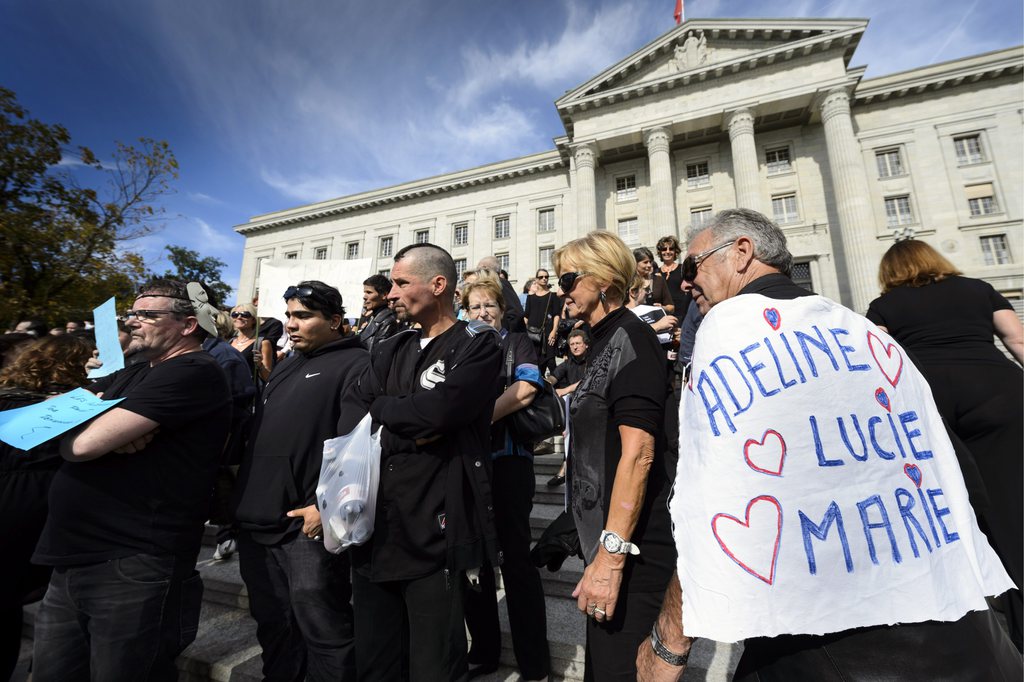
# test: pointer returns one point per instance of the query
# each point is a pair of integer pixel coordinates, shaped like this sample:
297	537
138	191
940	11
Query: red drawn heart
769	520
768	456
773	318
892	374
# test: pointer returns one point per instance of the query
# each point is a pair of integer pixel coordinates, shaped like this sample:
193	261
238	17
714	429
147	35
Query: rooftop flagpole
679	12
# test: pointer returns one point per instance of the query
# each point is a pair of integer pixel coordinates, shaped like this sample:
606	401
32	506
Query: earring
603	297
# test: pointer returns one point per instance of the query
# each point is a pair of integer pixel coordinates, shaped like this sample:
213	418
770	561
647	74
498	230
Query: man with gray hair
126	509
741	253
431	390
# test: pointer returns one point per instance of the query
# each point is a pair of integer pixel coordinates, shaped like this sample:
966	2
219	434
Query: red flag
679	11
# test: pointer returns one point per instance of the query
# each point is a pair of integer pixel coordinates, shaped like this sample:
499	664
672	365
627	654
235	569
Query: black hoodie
299	410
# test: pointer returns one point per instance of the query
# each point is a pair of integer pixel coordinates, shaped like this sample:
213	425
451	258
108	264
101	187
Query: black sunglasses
567	281
244	315
690	264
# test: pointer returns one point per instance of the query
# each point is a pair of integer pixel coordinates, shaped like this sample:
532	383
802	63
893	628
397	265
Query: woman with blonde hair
946	322
617	473
243	317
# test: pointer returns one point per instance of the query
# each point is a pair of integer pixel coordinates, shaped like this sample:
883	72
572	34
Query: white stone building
718	113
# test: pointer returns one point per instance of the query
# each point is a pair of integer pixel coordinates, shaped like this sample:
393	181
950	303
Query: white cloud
202	198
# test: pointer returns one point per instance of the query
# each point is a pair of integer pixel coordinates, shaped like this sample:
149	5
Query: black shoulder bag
543	418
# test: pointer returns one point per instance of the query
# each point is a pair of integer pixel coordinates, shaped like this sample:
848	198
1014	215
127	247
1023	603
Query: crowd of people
223	415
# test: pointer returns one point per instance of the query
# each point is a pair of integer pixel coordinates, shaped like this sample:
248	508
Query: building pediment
700	49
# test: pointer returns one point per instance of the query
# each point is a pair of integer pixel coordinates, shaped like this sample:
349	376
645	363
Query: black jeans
410	629
512	491
300	594
124	619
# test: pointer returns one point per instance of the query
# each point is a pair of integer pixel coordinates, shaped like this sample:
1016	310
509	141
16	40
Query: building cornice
496	172
804	36
938	76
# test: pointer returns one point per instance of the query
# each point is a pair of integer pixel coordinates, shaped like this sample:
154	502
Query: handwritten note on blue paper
105	319
27	427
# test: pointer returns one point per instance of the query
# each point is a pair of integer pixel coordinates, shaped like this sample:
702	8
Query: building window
460	267
897	211
502	261
387	246
981	199
501	227
968	149
460	234
995	249
778	160
629	230
546	220
386	272
699	216
422	236
352	250
784	209
801	275
320	253
259	266
889	162
544	257
625	188
292	255
697	174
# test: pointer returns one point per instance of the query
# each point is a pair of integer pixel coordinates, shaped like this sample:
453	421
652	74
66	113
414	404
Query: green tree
189	266
64	249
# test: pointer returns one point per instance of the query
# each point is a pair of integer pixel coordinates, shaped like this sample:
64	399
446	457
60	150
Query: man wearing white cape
819	511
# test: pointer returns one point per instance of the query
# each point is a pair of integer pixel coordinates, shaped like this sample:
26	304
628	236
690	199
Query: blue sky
270	104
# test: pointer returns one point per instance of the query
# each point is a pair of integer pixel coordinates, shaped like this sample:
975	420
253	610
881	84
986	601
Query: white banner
346	276
817	489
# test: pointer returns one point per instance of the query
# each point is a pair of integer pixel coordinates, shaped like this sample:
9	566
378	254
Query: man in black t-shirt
431	390
126	510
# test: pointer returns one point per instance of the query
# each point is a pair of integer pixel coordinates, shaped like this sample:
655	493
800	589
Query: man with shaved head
431	390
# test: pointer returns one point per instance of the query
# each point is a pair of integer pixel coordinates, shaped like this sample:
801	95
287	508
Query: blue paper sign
27	427
105	320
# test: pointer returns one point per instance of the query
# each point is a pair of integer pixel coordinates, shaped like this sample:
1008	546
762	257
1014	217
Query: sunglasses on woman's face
244	315
567	281
691	264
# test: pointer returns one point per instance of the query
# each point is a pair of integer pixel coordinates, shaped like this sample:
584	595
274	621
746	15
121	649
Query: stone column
852	202
746	177
585	157
663	204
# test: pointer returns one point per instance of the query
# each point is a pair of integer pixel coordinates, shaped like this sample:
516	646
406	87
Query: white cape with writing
817	489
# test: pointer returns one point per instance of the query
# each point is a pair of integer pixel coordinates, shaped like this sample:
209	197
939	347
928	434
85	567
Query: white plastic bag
347	492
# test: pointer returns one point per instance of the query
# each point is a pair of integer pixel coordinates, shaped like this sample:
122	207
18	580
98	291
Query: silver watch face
613	543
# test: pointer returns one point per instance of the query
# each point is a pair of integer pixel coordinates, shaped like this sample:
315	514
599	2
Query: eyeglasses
480	306
692	263
542	276
147	315
667	249
245	315
567	281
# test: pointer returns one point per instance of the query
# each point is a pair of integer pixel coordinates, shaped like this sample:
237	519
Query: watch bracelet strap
664	653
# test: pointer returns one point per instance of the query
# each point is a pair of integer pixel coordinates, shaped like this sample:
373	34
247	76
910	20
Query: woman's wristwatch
615	544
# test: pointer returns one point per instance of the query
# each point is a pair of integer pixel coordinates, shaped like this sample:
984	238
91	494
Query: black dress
25	478
625	385
947	327
540	313
674	280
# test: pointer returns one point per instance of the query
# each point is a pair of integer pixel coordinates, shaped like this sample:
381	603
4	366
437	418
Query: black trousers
512	493
972	648
299	595
410	629
983	404
612	646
